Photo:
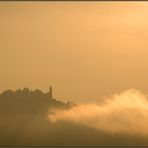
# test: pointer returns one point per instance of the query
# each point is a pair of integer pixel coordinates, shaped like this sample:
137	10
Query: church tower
50	92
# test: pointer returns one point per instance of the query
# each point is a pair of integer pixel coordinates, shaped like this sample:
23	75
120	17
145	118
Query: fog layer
126	112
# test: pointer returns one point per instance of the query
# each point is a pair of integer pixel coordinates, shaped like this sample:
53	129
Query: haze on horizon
86	50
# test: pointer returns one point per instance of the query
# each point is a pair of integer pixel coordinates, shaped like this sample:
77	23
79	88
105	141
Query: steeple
50	92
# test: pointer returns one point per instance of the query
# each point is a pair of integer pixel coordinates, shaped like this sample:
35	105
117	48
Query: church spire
50	92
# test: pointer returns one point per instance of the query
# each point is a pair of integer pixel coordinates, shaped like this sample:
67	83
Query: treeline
28	102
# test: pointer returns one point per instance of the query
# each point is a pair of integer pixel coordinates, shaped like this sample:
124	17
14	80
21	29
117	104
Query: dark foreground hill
27	102
23	122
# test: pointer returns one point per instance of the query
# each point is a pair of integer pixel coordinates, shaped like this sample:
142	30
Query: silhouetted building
50	92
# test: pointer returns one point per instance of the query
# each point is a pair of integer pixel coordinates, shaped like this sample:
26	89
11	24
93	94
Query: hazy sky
86	50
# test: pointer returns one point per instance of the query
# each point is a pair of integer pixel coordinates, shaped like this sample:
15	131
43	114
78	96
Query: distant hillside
28	102
23	122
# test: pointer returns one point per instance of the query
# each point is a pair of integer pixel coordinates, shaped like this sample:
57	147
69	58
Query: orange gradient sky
86	50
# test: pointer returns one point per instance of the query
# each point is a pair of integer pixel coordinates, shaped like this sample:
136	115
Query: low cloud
126	112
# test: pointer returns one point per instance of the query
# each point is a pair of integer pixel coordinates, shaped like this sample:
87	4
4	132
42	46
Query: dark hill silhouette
28	102
23	122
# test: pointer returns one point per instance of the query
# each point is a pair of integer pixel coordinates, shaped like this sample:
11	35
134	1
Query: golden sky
86	50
